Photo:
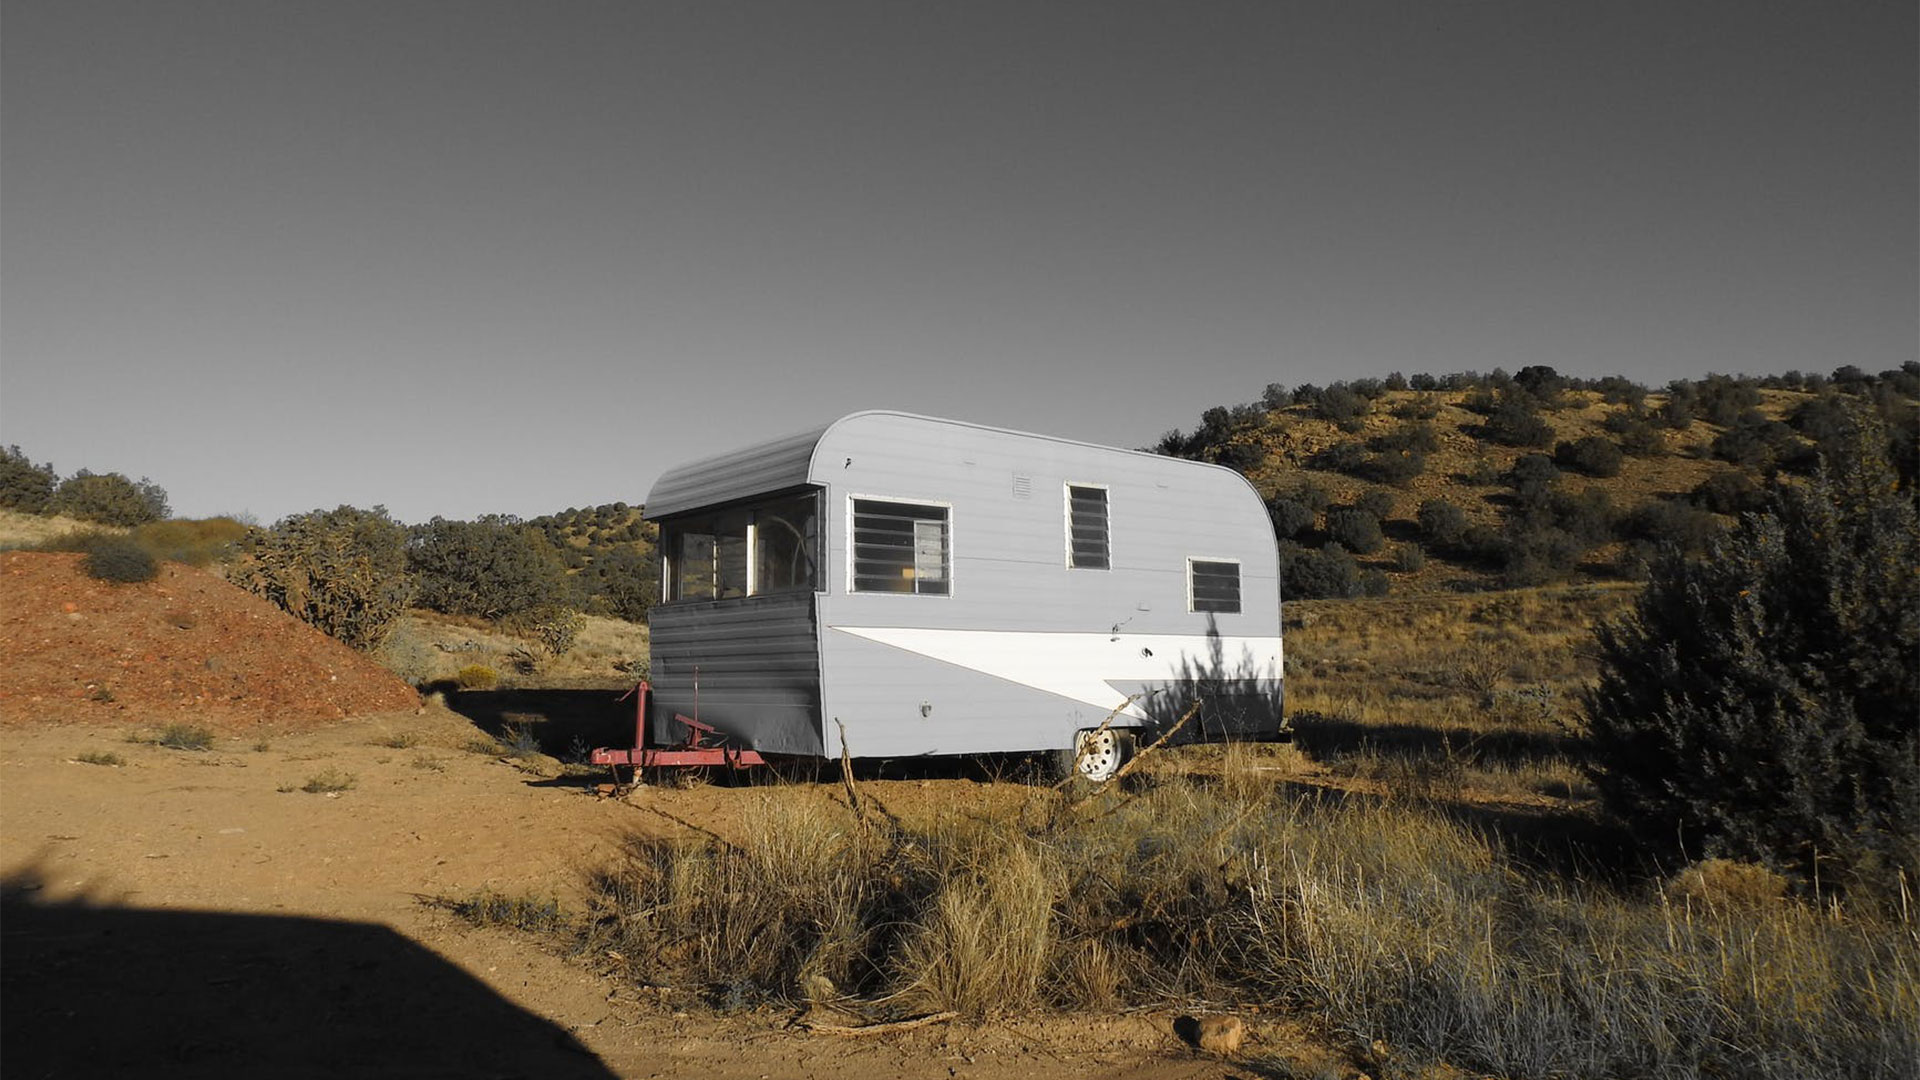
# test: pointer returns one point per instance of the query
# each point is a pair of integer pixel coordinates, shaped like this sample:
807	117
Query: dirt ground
196	913
267	905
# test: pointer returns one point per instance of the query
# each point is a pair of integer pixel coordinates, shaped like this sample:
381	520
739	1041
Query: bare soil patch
187	646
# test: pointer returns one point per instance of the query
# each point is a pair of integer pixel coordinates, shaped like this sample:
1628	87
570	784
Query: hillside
1525	480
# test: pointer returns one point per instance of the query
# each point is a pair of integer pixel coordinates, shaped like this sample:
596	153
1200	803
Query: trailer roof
786	463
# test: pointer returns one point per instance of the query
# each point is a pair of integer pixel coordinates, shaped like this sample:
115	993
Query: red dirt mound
186	645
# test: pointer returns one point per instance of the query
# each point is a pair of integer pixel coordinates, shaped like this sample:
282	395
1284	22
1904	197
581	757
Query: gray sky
472	257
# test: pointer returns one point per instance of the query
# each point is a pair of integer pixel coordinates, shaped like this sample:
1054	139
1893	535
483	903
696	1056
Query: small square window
1214	585
1087	528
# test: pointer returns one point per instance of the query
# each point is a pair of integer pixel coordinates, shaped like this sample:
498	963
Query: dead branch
879	1029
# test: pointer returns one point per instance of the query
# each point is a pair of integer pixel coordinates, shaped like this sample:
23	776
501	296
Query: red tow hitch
689	753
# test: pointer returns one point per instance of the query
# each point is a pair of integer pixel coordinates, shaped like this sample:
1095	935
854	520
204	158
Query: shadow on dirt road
113	991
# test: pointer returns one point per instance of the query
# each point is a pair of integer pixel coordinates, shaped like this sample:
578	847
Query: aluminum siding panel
1009	573
758	671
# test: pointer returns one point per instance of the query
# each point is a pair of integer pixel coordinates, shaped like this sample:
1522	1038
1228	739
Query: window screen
900	548
1087	528
1214	586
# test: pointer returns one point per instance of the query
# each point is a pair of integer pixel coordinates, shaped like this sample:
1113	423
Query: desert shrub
328	782
408	654
1724	397
1755	442
1408	558
1592	455
1442	524
476	677
1419	437
1639	435
554	626
493	567
1346	457
185	737
24	486
1313	573
109	499
195	543
1732	492
119	559
1343	406
1276	396
1291	517
1672	523
1396	467
1424	407
341	570
627	578
1679	408
1514	422
1374	583
1238	455
1616	390
1533	477
1531	552
1355	529
1375	501
1758	704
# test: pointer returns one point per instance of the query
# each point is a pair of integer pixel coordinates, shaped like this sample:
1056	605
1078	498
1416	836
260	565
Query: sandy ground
196	914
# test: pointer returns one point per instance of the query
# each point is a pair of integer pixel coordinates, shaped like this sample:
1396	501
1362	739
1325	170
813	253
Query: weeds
1391	922
184	737
329	782
100	757
405	740
525	912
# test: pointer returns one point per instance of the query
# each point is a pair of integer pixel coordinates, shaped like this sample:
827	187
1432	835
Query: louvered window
900	548
1087	528
1214	585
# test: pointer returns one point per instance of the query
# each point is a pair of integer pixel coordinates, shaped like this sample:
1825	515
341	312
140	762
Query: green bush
119	559
109	499
1759	703
1442	524
494	567
1515	423
1375	501
1408	558
1309	574
1355	529
195	543
1592	455
343	571
1533	477
627	579
1290	516
24	486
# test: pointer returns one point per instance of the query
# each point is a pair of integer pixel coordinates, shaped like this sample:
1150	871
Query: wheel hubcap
1098	754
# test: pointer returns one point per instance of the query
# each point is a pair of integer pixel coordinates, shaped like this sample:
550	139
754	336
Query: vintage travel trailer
901	585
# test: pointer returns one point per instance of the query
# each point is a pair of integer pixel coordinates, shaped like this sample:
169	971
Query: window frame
853	538
1106	523
1239	580
671	530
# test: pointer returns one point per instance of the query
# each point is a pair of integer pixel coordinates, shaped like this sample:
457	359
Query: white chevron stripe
1079	666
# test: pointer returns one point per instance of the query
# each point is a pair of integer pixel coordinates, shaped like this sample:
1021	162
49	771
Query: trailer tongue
692	753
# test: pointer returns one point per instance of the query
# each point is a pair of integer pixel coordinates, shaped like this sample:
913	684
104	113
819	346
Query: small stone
1222	1034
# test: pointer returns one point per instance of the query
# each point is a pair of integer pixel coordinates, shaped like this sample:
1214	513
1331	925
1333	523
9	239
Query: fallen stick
879	1029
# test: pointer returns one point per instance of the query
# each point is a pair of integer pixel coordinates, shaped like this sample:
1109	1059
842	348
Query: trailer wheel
1097	754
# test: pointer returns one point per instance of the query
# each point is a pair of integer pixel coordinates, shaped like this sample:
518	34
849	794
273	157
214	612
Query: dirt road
199	914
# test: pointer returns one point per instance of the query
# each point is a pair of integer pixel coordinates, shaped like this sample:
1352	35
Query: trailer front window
743	552
900	548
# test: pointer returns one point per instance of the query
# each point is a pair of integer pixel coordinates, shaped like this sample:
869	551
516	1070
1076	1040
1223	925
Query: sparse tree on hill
342	570
1759	703
24	486
109	499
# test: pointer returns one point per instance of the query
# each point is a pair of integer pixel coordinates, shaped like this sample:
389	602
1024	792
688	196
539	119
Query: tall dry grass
1387	921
